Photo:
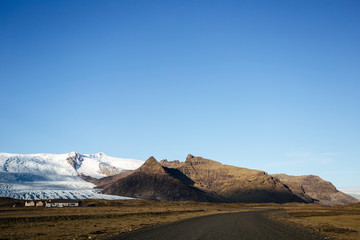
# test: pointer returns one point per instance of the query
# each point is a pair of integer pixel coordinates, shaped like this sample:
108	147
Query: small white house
39	204
29	204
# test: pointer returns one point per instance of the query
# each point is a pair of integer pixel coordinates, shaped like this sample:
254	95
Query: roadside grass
342	222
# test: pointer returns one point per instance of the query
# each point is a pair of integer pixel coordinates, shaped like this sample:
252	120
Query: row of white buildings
54	203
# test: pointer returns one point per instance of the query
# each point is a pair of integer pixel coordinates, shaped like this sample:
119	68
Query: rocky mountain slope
201	179
233	184
41	176
153	182
316	188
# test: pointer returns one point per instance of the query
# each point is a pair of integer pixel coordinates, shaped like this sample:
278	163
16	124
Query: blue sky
271	85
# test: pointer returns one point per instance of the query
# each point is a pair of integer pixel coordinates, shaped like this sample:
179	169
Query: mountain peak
190	159
100	154
151	160
189	156
75	160
151	166
73	154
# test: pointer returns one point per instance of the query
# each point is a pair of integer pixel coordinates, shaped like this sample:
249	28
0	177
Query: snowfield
49	176
56	194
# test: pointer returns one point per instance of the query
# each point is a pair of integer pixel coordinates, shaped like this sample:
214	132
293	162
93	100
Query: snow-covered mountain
45	176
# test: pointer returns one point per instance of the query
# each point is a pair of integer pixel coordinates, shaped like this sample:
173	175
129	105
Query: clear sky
270	85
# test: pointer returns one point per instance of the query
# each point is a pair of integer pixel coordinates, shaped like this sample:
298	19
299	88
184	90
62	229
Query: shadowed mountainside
152	182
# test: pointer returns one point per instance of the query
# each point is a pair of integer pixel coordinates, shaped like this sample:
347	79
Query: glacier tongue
48	176
56	194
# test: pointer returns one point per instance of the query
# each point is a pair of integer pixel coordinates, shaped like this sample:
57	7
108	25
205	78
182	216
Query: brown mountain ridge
233	184
205	180
314	187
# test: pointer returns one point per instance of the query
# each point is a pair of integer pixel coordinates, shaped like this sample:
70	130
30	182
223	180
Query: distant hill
321	191
352	191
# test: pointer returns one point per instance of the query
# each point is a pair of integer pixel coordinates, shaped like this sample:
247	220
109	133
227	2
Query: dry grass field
342	222
97	219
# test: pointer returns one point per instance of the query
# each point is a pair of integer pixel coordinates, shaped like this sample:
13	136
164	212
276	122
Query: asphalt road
244	225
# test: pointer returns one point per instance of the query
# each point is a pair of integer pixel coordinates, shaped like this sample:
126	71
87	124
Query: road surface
243	225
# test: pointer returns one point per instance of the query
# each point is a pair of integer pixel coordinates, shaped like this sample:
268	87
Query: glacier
50	176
